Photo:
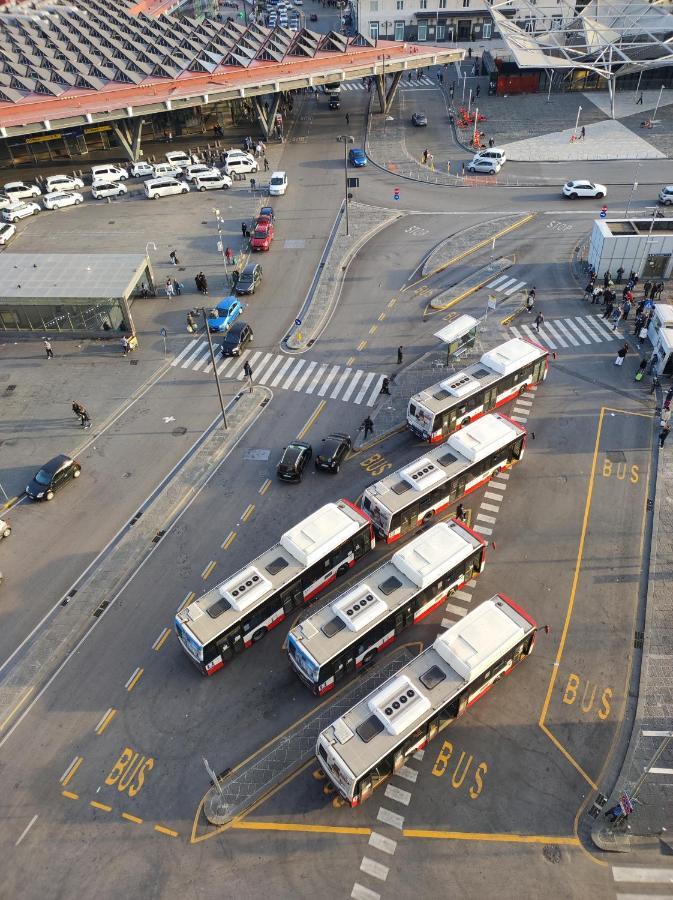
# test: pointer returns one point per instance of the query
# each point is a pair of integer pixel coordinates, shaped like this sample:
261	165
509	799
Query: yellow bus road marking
134	679
312	418
188	599
350	360
249	511
565	840
373	329
97	805
67	776
382	317
105	720
265	487
361	346
163	830
392	303
16	708
131	818
209	568
160	641
304	829
70	795
228	541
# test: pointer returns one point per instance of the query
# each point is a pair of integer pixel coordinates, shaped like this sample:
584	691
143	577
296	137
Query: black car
419	119
236	338
249	279
334	101
294	459
52	476
333	451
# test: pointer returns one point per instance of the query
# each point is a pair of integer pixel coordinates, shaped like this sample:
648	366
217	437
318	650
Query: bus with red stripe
347	633
501	375
421	489
375	738
240	610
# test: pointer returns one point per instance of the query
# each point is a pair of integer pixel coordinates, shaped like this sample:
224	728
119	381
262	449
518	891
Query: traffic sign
297	321
603	212
163	332
396	194
492	301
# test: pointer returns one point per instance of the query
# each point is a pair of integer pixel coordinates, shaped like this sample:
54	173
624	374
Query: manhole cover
257	453
616	456
10	388
179	431
552	853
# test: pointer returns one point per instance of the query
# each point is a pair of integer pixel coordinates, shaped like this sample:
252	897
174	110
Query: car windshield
246	278
261	234
233	337
43	477
276	181
291	456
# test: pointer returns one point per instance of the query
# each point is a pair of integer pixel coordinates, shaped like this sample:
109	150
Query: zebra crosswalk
424	81
289	373
575	331
648	882
506	285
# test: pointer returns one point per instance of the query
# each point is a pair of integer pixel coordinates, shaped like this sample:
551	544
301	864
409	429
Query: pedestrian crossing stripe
423	81
288	373
580	331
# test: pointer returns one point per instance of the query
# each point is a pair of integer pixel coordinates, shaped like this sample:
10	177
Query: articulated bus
415	493
239	611
349	632
501	375
375	738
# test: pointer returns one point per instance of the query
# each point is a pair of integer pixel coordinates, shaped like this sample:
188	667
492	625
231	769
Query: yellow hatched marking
230	538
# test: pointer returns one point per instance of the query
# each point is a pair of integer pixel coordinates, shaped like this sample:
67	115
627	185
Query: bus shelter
458	335
660	333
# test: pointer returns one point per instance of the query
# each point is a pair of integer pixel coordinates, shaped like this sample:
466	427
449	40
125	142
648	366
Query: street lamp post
577	120
656	108
212	359
633	191
346	139
221	245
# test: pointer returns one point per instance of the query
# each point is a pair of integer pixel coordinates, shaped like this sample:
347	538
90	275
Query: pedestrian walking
588	291
639	101
621	355
368	427
228	255
348	119
652	365
462	169
47	348
191	323
491	142
177	287
385	386
583	133
266	164
460	512
615	317
400	355
85	419
609	307
478	91
451	92
647	287
82	414
425	155
204	283
235	275
626	309
247	371
596	296
539	320
253	185
125	345
244	228
620	274
640	374
638	323
663	434
170	290
174	258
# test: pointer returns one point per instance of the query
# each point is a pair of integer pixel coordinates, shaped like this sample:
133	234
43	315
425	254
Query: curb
498	266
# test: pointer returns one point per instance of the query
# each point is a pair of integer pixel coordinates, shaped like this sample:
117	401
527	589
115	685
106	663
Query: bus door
291	597
449	421
404	618
361	543
409	517
490	397
538	370
457	488
233	643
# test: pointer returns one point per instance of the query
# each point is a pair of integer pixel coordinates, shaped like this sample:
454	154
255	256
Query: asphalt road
567	544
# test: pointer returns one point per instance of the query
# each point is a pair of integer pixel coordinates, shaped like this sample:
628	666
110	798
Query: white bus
417	492
501	375
375	738
349	632
240	610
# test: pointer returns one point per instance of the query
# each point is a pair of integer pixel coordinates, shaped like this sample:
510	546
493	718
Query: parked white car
5	201
5	528
493	153
278	184
63	183
19	190
231	155
61	199
575	189
165	187
7	232
142	170
484	166
211	181
102	189
191	172
106	172
179	158
666	195
20	210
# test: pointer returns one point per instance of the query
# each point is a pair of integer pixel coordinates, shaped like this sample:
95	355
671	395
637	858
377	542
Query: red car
262	236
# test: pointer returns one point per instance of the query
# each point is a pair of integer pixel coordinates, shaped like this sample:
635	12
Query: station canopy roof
64	276
610	37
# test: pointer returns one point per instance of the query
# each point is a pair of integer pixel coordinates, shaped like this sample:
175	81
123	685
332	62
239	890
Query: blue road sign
297	321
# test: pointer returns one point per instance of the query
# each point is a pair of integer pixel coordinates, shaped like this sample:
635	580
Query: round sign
396	194
297	321
603	214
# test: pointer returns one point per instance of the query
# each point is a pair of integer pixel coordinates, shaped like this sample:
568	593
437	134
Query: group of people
201	283
173	287
257	149
616	312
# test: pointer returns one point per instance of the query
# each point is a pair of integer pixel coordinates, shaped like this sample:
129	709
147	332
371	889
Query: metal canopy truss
608	37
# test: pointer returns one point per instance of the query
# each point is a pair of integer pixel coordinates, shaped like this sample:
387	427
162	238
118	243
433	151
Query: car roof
278	175
57	463
227	302
250	268
236	329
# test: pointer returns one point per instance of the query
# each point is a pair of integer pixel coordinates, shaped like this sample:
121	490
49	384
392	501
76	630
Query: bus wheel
341	570
258	635
429	514
369	658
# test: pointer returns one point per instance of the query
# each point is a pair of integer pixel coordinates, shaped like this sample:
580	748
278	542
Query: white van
210	181
278	184
100	189
167	170
666	195
165	187
239	164
179	158
493	153
108	173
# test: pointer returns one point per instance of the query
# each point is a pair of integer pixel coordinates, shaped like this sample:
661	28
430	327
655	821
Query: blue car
225	314
356	157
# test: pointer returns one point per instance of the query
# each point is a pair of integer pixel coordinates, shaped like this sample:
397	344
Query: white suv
142	170
210	181
575	189
237	164
101	189
108	173
59	199
164	187
493	153
19	190
63	183
179	158
20	210
666	195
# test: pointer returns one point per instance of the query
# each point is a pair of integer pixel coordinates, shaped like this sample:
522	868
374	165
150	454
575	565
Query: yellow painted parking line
130	818
265	487
161	640
373	329
188	599
18	706
392	303
361	346
312	418
350	360
105	721
162	830
249	511
70	795
103	806
209	568
567	841
304	829
74	766
229	540
382	317
134	679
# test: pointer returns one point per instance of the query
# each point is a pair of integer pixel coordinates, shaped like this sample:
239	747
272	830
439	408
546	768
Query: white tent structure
608	37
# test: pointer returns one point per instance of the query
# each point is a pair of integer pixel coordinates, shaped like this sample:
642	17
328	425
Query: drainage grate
157	537
101	609
133	362
10	388
616	456
638	640
179	431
